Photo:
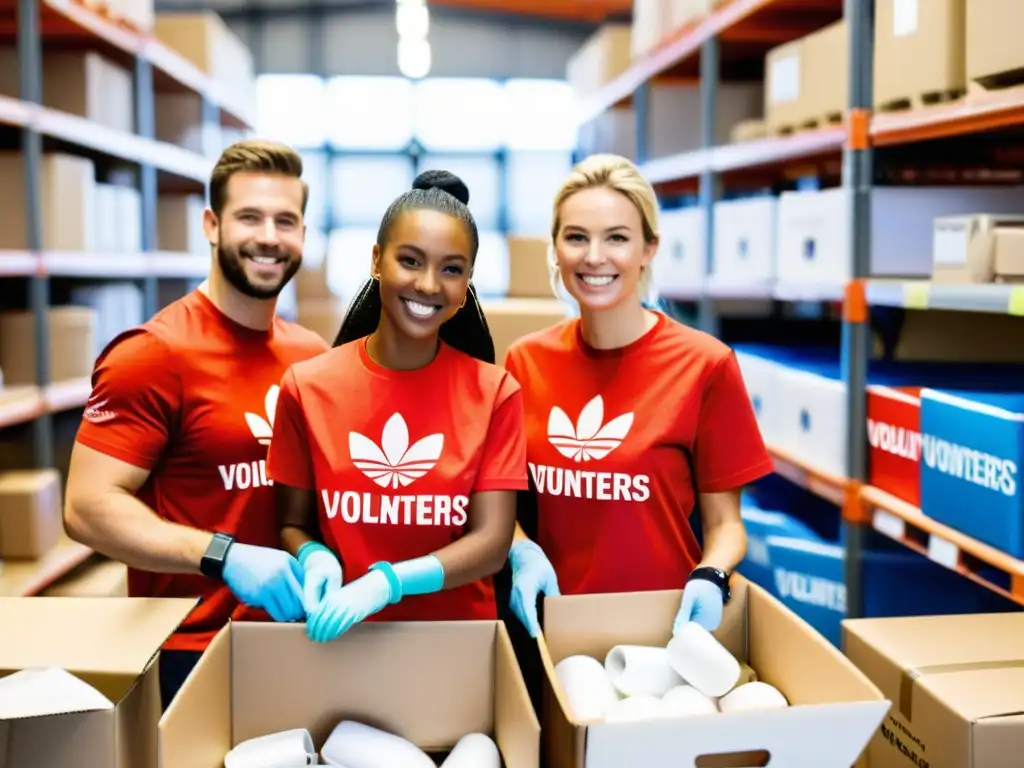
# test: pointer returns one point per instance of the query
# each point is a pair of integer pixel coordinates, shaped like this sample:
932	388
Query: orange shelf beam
823	484
27	578
975	113
908	525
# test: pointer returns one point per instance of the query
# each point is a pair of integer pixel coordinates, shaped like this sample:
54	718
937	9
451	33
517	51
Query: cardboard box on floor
957	687
834	707
429	682
109	643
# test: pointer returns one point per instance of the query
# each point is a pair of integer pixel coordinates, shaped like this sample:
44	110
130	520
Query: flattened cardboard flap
824	736
107	635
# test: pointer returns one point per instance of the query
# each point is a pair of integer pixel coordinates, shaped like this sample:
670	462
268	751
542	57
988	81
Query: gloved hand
532	573
702	602
322	571
267	578
346	606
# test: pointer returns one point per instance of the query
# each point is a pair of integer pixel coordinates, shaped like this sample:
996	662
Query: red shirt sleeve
729	451
288	455
135	402
503	465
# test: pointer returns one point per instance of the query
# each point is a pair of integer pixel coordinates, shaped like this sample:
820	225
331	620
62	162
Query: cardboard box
67	202
429	682
957	687
978	249
109	643
787	82
826	56
528	273
96	577
71	342
834	707
601	59
993	52
511	319
30	513
322	316
919	52
894	441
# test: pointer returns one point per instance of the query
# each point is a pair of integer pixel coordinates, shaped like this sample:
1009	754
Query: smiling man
168	472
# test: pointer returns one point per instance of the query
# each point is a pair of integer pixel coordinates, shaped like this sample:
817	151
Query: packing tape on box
913	674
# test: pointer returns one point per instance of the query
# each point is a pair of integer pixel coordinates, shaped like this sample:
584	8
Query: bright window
490	272
290	109
349	253
539	114
459	114
533	181
314	173
362	188
372	113
483	177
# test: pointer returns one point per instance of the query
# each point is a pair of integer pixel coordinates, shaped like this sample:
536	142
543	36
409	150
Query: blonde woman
631	420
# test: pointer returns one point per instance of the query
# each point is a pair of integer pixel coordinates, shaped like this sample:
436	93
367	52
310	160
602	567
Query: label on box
904	17
949	244
894	442
784	82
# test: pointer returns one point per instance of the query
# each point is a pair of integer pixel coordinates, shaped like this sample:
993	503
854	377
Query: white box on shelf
129	219
106	218
744	250
760	375
678	267
812	418
814	235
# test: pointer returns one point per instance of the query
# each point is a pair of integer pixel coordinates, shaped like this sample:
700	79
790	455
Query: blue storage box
810	580
971	454
760	525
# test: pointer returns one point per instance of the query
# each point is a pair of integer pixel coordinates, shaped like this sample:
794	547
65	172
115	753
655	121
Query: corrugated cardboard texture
835	707
957	687
429	682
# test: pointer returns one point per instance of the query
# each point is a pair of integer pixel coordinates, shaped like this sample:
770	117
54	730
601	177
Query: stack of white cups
355	745
693	675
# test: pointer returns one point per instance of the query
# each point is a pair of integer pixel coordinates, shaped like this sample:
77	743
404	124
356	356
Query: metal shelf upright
858	164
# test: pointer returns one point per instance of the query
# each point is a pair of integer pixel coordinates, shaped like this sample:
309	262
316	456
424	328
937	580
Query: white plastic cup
702	661
475	750
286	749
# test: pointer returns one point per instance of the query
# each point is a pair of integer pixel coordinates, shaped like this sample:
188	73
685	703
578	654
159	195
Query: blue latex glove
346	606
322	571
267	578
383	585
702	603
532	573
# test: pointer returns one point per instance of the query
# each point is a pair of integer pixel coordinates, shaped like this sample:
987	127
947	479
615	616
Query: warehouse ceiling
589	11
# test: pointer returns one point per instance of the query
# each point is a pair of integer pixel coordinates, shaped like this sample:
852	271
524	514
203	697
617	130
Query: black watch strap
212	564
716	576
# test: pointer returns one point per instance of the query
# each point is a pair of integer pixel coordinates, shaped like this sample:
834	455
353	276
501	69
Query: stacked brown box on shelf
919	53
601	59
654	21
30	513
978	248
806	81
71	344
994	56
531	304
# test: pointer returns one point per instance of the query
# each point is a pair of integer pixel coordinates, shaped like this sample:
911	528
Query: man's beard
232	265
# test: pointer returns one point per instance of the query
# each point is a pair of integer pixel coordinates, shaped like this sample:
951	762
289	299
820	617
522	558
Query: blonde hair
254	156
611	172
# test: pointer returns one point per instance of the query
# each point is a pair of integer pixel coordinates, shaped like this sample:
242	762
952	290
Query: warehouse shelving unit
161	165
699	49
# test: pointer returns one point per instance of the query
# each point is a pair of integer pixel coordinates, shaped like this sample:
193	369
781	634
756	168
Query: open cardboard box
429	682
109	643
834	708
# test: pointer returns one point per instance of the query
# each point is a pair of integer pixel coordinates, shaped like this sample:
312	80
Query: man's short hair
254	156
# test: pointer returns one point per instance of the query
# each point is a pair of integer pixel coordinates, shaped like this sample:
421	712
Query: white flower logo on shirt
589	438
262	427
394	463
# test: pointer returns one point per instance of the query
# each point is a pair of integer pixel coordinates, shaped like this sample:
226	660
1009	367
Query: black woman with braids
397	455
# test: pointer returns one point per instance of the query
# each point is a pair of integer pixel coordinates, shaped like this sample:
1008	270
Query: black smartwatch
212	564
716	576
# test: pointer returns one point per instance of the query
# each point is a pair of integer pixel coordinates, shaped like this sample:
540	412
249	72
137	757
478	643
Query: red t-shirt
190	396
395	458
611	435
